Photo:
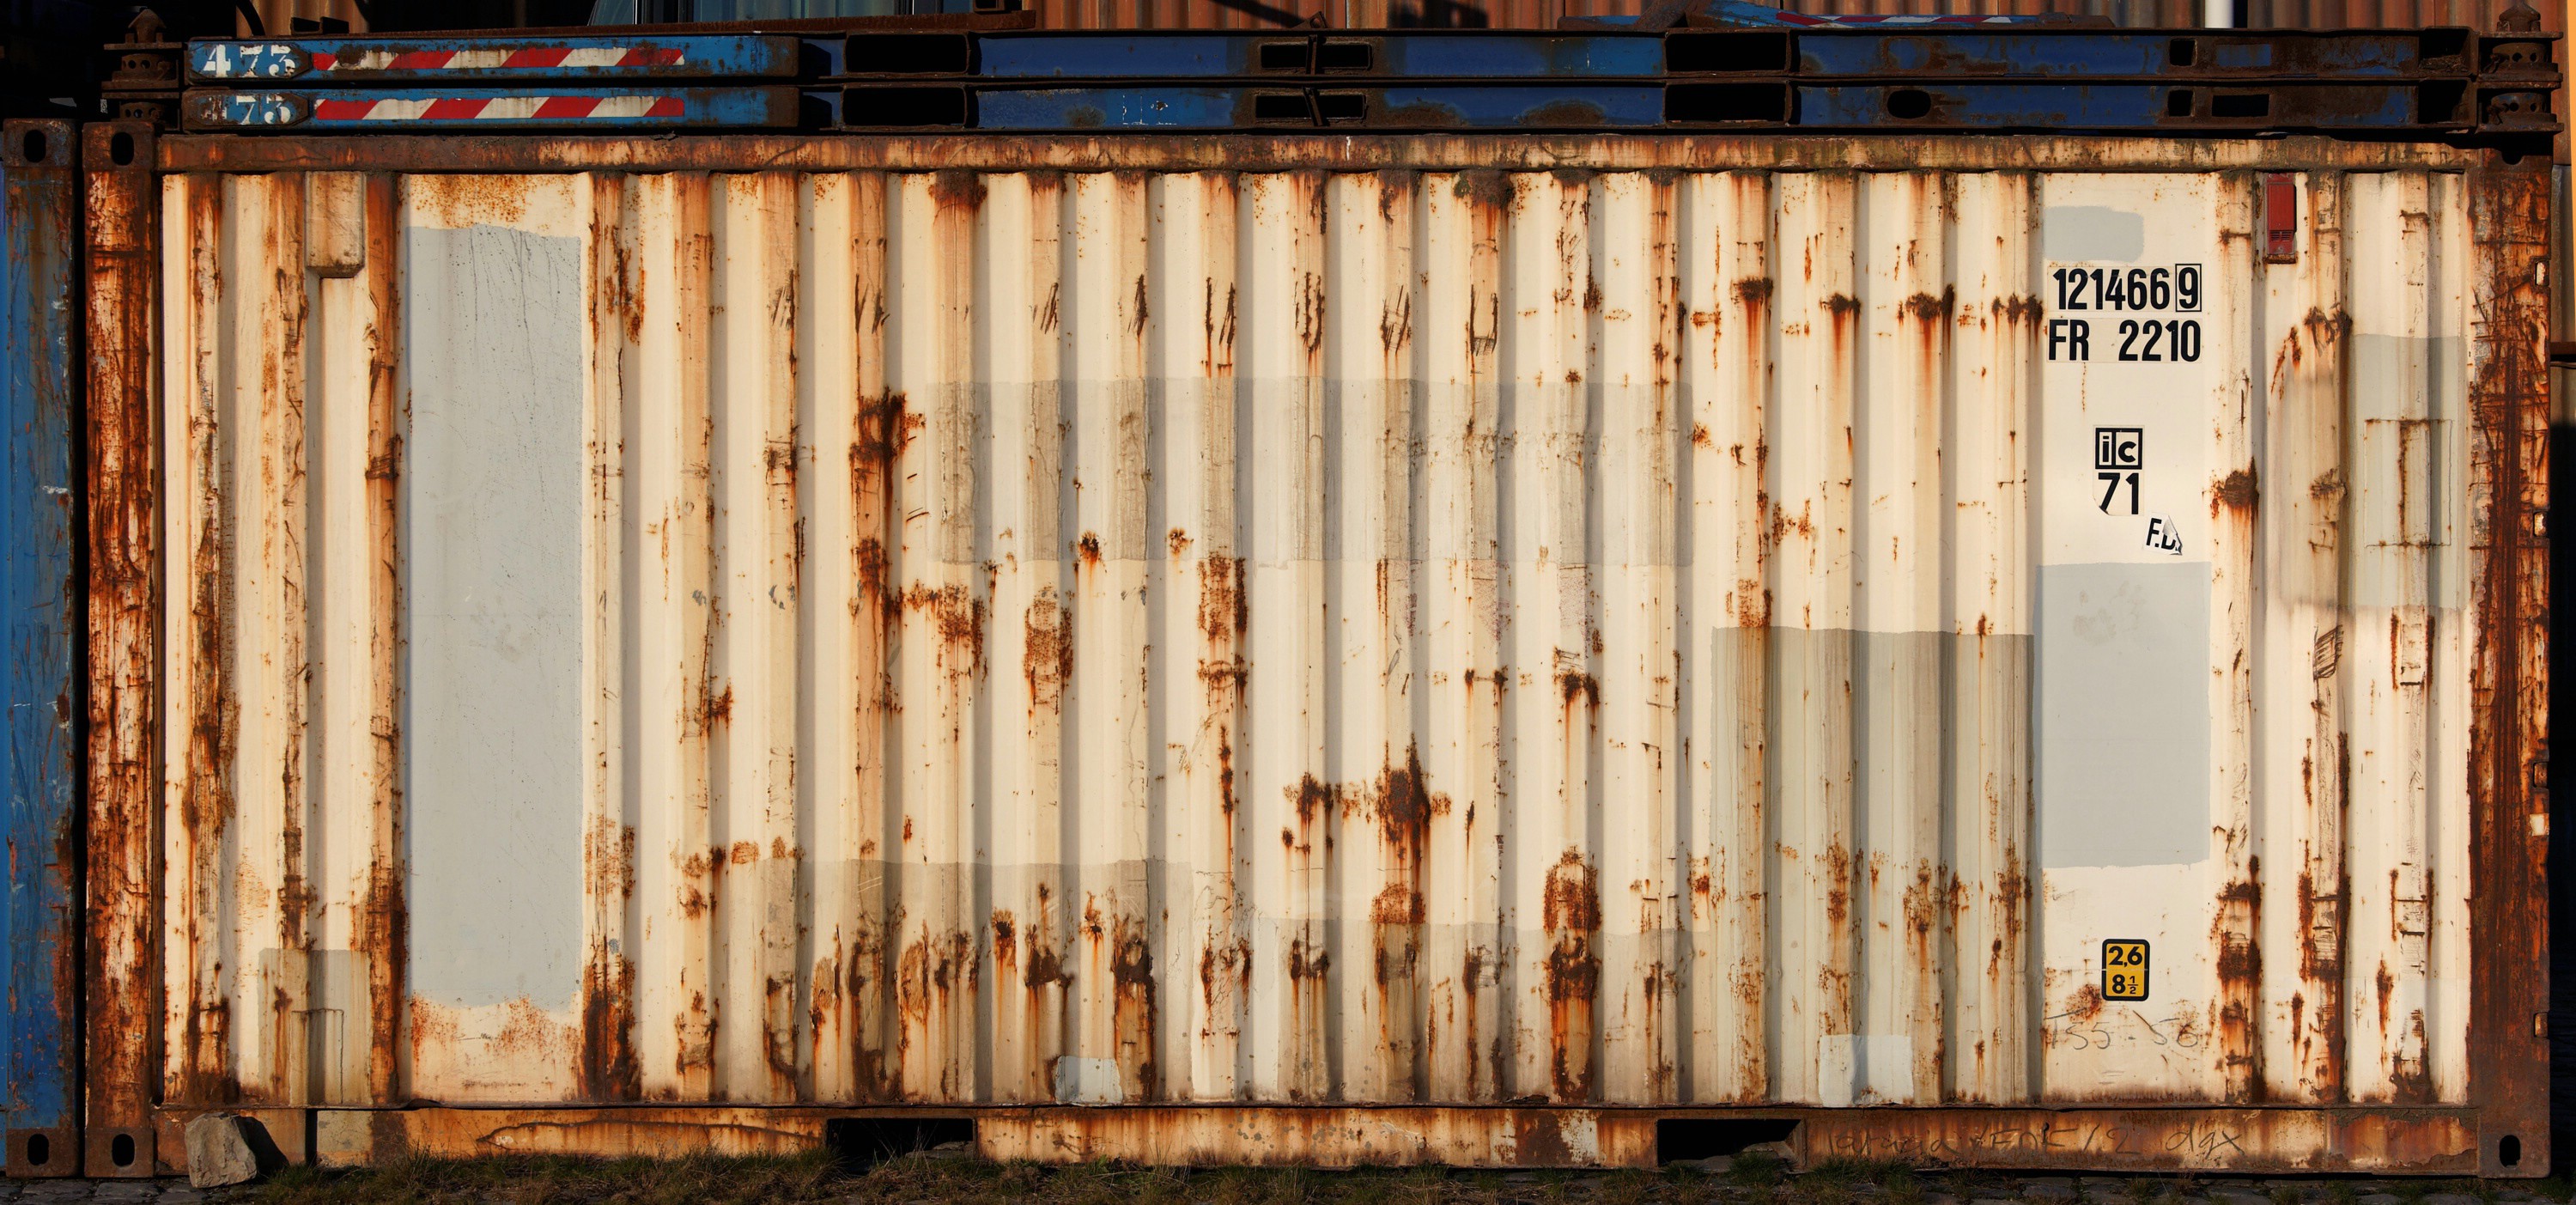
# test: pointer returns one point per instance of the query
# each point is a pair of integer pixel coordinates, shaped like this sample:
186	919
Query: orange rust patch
1223	605
1575	684
957	189
2236	492
608	1067
1047	658
957	614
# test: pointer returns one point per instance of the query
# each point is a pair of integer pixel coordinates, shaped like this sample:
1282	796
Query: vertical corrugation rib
2306	336
830	685
940	601
1633	271
1553	709
1206	619
1456	327
264	390
2454	635
2393	446
668	533
1029	634
382	933
753	656
1107	318
614	326
1991	582
1727	371
1812	766
197	698
1282	300
1902	875
348	616
879	434
2232	496
883	428
1375	781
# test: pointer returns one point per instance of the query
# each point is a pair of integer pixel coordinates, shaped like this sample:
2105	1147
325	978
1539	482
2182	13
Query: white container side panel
1724	637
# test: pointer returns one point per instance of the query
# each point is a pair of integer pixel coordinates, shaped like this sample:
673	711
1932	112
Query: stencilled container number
2174	289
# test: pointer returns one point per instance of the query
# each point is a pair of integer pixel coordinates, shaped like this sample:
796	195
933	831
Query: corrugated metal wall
1624	637
39	804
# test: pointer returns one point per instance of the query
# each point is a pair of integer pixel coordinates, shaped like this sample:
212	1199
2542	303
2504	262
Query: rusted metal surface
2291	1140
121	263
1193	635
2509	752
1286	152
2280	1140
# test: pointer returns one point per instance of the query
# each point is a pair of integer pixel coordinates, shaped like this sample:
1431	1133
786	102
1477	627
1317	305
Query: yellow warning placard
2124	969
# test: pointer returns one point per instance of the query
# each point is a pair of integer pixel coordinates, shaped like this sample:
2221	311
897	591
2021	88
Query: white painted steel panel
1623	637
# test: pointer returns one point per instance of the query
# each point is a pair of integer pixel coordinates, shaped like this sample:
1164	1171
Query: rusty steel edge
2508	758
121	976
40	589
2386	1140
1270	152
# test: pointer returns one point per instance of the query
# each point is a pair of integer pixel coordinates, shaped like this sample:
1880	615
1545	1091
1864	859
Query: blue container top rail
1724	63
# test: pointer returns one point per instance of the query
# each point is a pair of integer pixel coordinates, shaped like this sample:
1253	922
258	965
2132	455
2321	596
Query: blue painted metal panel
371	60
1529	107
40	622
2076	107
1500	107
620	107
1111	108
1058	56
1486	56
1963	52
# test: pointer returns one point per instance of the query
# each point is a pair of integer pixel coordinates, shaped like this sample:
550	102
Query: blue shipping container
39	187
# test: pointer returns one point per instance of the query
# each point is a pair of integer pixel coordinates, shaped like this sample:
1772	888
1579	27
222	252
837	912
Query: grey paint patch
2093	232
2408	477
2123	715
491	540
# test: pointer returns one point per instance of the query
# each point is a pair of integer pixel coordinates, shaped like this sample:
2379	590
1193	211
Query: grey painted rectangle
2123	714
491	540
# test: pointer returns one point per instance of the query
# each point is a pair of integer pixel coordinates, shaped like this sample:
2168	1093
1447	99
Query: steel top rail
2428	83
1882	50
1285	151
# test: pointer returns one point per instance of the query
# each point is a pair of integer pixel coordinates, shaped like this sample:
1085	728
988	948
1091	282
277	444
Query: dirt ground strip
936	1179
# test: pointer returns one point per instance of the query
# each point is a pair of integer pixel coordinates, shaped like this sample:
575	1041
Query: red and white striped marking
526	58
549	107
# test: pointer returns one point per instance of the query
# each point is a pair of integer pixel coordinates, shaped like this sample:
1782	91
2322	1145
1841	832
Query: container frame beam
123	968
40	585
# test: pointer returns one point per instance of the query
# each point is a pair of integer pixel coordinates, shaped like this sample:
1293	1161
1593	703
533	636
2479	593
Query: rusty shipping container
1529	649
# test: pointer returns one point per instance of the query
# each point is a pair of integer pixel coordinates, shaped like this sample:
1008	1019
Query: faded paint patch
2093	233
2122	715
491	530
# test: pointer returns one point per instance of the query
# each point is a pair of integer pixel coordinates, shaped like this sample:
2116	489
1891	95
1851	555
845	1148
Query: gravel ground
935	1180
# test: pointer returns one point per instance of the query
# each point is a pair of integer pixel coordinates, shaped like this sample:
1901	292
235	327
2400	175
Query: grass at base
817	1178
